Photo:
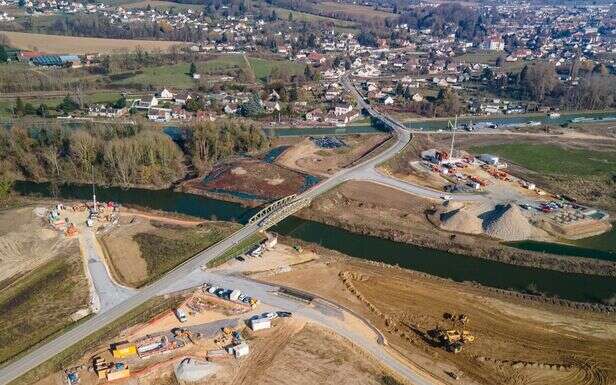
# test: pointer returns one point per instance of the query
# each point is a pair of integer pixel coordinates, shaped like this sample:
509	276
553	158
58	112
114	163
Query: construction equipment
183	333
455	338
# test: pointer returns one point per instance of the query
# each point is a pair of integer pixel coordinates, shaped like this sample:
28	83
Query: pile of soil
461	220
507	222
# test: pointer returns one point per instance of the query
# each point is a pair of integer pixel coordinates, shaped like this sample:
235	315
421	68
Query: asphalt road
41	354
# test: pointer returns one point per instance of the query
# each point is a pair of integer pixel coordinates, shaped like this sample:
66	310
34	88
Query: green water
577	287
599	247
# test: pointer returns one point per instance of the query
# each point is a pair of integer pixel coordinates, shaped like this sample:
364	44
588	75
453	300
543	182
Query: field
516	342
553	159
40	303
81	45
162	5
339	25
354	11
177	75
142	249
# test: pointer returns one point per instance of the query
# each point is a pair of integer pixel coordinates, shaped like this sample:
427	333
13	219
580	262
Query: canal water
577	287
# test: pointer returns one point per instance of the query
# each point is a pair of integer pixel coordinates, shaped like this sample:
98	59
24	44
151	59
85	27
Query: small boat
554	115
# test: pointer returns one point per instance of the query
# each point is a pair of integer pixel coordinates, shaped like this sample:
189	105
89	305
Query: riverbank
369	209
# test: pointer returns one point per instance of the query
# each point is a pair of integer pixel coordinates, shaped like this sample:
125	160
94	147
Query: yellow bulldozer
455	338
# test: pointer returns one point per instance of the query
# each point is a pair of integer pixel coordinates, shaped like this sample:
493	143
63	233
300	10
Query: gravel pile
461	220
507	223
191	370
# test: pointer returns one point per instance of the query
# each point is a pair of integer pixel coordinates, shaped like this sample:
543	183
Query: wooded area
124	155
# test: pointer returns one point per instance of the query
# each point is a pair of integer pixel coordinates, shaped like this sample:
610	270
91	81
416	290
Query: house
271	107
316	58
159	115
230	108
165	94
494	43
315	115
146	104
203	116
388	100
342	109
107	112
179	113
182	99
273	96
417	98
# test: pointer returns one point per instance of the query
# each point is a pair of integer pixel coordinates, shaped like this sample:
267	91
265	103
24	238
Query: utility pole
454	127
93	192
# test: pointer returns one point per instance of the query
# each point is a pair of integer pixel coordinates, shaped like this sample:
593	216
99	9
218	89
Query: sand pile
507	222
461	220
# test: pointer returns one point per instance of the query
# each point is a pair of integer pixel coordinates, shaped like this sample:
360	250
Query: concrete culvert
192	370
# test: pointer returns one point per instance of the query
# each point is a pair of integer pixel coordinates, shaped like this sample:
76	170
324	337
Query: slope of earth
516	342
368	208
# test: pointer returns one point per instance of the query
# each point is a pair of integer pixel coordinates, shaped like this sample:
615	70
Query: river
578	287
437	124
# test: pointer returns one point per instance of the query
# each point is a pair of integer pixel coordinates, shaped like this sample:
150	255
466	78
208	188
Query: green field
176	75
168	247
341	26
262	67
40	303
552	159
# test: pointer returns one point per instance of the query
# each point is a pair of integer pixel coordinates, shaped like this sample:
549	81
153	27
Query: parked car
284	313
270	315
212	289
181	314
240	258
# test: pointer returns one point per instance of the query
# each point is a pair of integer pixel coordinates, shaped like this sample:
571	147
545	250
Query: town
307	192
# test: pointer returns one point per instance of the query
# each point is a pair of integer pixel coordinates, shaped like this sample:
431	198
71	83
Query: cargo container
215	355
118	374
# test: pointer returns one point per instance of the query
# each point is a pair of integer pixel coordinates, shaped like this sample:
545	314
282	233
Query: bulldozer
185	333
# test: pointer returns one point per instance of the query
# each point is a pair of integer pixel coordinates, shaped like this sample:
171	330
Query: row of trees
121	154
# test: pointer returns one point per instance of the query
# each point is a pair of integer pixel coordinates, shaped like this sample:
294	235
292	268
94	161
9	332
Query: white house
342	109
165	94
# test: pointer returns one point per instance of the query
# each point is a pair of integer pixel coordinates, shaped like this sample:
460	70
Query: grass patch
236	250
169	247
161	76
41	302
140	314
552	159
263	68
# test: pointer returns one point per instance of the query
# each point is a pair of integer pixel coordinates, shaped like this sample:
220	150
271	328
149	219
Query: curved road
42	353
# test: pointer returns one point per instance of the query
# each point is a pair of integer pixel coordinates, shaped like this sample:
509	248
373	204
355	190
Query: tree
19	107
500	61
194	105
399	88
4	57
42	110
290	18
29	109
67	105
252	108
193	69
120	103
6	186
447	103
539	80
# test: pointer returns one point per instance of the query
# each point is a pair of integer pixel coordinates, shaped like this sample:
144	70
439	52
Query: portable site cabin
260	324
241	350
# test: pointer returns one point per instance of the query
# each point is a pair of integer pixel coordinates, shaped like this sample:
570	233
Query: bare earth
515	341
306	156
25	242
81	45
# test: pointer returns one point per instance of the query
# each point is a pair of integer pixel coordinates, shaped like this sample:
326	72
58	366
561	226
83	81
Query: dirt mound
461	220
507	222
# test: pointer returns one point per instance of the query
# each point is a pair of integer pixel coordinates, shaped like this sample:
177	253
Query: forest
122	155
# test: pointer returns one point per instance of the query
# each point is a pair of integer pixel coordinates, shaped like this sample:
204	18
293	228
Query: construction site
512	208
461	333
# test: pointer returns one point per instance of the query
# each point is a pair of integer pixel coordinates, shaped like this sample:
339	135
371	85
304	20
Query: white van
181	314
